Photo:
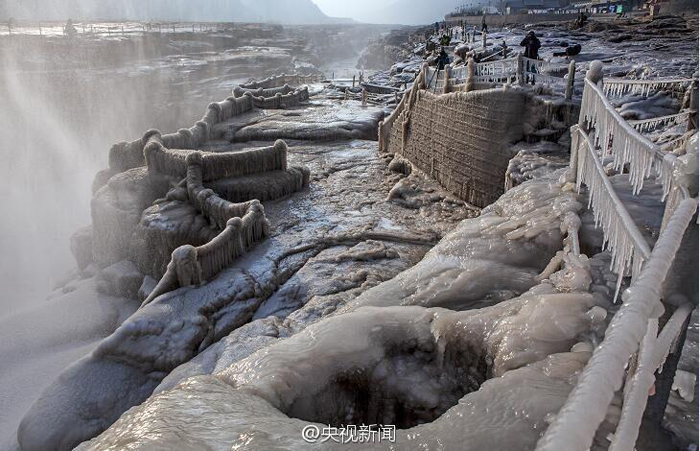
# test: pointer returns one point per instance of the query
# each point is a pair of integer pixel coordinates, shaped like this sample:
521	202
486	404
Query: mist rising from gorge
280	11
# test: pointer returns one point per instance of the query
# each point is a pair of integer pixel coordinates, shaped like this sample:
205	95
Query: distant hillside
411	12
281	11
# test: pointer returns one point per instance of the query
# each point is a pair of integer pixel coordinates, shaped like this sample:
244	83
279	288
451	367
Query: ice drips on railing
618	138
617	87
635	325
648	125
621	236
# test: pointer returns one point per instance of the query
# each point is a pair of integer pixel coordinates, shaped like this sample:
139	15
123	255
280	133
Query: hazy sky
351	8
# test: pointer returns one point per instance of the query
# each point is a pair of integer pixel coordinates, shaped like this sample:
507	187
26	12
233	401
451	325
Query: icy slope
484	369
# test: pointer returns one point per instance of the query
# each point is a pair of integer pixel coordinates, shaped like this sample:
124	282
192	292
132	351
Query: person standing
532	45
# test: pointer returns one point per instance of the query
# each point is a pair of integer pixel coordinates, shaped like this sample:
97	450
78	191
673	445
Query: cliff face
282	11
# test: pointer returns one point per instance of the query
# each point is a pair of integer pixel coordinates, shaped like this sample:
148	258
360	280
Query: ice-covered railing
621	236
540	72
618	138
386	125
543	67
648	125
634	327
504	70
216	209
242	223
239	91
215	165
618	87
277	81
190	265
516	69
177	155
128	155
281	101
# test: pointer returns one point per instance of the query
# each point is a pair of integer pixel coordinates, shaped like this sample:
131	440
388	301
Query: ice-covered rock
364	367
486	259
120	279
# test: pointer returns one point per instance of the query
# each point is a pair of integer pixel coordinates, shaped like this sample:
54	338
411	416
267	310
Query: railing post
570	81
446	88
469	84
364	97
595	75
573	161
595	72
520	76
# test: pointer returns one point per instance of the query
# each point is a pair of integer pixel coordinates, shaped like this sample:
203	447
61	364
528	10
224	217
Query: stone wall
460	139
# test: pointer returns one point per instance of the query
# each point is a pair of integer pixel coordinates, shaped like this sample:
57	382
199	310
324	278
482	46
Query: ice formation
494	324
363	367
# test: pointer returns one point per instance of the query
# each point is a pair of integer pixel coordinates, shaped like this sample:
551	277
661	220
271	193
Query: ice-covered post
469	84
595	75
693	116
346	94
595	72
570	81
446	87
353	82
364	97
519	73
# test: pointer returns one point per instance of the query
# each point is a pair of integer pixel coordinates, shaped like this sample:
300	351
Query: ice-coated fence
511	70
618	87
190	265
648	125
459	139
502	71
177	155
634	328
277	81
128	155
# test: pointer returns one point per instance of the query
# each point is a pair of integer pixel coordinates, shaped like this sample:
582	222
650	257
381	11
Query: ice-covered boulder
116	211
486	259
443	378
120	279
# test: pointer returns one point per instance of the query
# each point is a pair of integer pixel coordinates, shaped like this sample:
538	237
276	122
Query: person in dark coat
443	60
484	27
532	45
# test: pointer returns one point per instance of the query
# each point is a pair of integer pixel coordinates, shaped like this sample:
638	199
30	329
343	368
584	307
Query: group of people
531	43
